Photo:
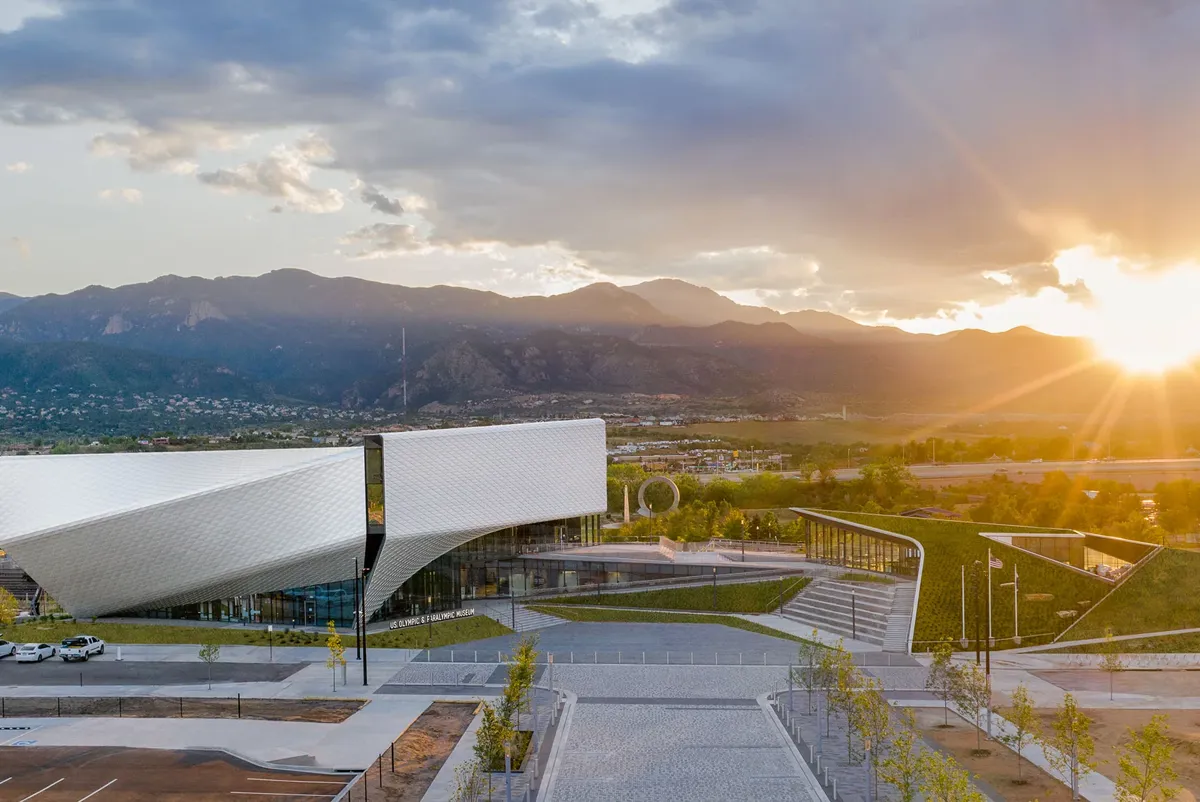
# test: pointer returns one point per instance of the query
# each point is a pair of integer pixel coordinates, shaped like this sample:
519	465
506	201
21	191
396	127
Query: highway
1153	470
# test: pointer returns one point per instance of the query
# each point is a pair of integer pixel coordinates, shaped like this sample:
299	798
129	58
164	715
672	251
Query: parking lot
107	670
108	774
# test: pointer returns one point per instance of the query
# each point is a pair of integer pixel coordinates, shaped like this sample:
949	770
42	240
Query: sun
1139	318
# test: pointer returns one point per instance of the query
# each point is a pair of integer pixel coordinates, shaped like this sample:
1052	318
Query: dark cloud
905	147
374	197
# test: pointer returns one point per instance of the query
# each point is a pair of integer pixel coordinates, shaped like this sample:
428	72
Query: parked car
80	647
7	648
35	652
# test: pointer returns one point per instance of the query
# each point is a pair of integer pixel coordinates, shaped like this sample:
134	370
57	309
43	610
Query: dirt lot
116	774
1155	683
997	771
1110	729
321	711
420	752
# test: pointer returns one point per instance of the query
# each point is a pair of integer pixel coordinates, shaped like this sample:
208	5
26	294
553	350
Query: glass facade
844	544
491	565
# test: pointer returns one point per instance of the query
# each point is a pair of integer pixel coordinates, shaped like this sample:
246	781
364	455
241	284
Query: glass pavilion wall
487	566
862	548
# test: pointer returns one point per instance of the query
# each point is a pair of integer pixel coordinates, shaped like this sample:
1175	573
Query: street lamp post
357	616
428	614
714	587
507	771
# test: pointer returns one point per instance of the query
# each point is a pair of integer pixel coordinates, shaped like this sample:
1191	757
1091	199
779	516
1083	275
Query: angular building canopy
110	533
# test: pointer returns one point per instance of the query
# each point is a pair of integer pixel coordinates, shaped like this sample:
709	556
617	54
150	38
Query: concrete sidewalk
350	745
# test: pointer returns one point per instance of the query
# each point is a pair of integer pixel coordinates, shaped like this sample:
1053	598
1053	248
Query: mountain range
345	341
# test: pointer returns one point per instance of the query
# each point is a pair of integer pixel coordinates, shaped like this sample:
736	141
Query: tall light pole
429	615
357	617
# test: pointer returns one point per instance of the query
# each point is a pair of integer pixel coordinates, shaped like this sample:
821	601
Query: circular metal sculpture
645	511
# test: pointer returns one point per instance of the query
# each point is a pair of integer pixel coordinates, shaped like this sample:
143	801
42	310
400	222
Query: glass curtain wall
845	545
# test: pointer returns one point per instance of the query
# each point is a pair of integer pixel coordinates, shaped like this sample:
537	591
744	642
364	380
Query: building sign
431	618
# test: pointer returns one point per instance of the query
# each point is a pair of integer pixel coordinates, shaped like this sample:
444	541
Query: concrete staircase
858	610
15	582
899	620
501	610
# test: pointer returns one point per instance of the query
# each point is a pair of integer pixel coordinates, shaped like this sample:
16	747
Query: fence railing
811	757
697	579
134	707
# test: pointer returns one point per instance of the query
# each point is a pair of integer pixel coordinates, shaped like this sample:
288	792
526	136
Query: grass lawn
1159	596
581	613
748	597
444	634
952	544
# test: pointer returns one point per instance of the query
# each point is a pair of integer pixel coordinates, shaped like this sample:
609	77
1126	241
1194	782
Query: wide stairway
871	612
501	610
15	582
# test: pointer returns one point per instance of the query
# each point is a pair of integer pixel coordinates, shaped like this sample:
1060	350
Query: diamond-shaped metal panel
107	533
444	487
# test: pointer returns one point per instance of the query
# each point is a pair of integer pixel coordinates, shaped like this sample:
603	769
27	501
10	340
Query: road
1029	471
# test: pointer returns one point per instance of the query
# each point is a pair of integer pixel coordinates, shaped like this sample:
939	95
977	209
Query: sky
932	164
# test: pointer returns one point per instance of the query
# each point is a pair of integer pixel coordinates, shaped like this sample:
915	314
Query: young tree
8	608
337	652
872	720
825	678
468	782
902	767
847	684
973	694
490	739
804	673
943	677
210	653
1026	728
1071	748
1111	662
942	780
1147	765
521	671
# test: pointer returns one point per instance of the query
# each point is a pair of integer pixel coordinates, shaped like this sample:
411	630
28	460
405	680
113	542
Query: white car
7	648
34	652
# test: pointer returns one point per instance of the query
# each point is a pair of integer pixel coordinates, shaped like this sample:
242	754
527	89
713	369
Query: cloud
18	167
374	197
173	148
284	173
384	239
906	148
23	246
127	195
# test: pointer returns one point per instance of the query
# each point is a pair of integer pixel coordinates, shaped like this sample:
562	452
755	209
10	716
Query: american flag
995	562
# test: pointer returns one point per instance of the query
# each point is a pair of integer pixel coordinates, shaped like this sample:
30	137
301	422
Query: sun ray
1003	398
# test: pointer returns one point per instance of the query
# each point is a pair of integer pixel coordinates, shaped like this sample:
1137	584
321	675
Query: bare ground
420	752
999	769
1110	729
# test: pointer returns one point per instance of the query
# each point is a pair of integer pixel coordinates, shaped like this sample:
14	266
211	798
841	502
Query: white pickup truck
80	647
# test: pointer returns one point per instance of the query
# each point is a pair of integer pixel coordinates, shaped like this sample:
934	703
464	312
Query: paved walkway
352	744
668	748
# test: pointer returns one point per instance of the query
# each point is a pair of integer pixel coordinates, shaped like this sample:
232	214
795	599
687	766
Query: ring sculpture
645	511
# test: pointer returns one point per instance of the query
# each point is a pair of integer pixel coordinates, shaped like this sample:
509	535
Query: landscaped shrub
748	597
951	544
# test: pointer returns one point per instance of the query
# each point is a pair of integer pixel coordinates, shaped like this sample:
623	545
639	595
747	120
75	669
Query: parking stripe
302	782
47	788
6	779
276	794
98	790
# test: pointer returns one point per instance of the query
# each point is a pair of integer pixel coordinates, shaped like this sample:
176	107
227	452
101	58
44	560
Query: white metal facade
107	533
444	487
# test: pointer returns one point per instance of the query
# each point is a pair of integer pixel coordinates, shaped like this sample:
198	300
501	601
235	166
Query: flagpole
1016	619
964	606
989	597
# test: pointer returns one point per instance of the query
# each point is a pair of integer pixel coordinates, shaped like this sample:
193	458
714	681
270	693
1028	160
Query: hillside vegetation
1159	596
951	544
